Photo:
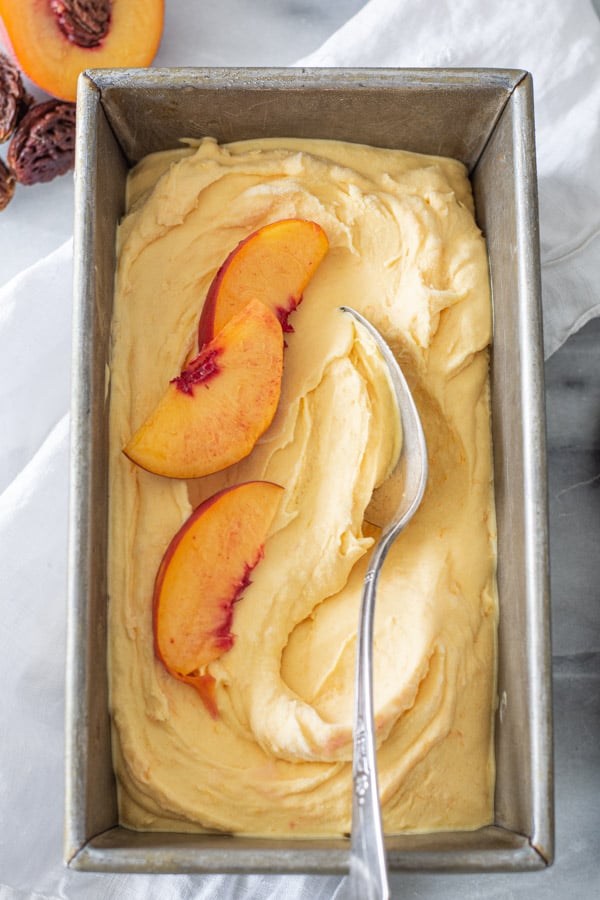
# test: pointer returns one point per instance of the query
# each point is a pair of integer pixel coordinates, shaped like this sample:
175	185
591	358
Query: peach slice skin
273	264
52	62
214	412
204	571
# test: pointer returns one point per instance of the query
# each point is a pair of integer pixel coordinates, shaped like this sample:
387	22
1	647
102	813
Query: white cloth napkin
559	42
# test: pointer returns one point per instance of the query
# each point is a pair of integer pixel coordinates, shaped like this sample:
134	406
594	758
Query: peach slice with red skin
273	264
203	573
213	413
49	55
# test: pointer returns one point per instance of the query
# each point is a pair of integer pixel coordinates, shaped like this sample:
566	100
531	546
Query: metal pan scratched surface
482	117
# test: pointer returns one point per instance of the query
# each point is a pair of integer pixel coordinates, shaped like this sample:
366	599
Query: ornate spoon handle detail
368	870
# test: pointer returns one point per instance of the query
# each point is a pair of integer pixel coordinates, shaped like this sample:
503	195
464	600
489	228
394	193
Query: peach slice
214	412
54	40
204	571
273	264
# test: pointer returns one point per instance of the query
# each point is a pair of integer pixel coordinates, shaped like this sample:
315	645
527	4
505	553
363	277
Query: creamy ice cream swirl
406	252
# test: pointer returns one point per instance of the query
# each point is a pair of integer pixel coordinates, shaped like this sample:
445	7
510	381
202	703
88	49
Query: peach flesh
213	413
31	33
204	572
273	264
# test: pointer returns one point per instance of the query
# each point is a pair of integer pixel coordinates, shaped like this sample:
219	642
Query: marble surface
277	32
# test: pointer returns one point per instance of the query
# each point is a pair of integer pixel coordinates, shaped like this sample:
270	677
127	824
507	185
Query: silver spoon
367	878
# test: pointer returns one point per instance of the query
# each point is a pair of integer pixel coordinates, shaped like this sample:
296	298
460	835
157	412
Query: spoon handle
368	871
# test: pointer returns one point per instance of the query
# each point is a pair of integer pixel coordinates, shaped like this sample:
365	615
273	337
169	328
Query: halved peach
273	264
204	571
214	412
42	35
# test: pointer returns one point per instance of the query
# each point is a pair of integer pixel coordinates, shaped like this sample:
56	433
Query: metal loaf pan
482	117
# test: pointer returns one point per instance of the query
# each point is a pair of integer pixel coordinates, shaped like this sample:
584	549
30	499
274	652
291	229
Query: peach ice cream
404	250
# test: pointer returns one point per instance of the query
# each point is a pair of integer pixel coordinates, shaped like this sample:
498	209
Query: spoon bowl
402	492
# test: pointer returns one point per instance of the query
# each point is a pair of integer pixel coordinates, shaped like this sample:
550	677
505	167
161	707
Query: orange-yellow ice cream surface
405	251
